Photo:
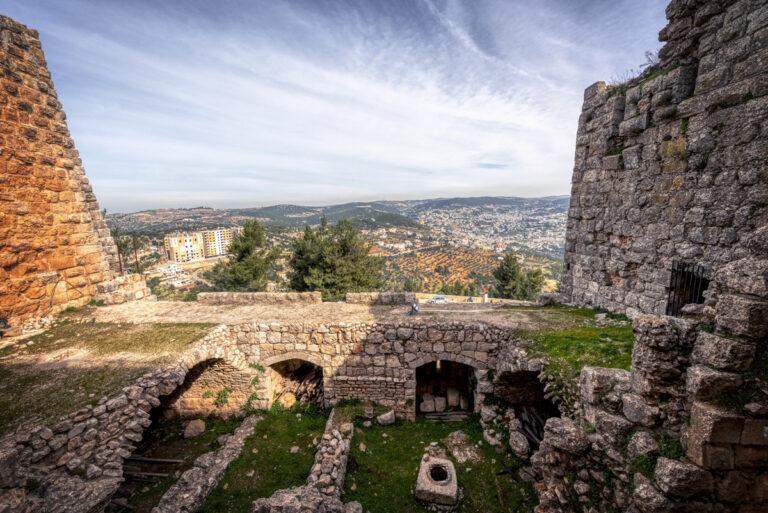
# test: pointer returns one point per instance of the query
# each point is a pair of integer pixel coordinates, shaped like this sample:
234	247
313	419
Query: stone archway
444	388
211	387
295	377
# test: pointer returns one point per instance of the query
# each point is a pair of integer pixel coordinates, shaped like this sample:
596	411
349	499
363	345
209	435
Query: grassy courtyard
266	463
382	478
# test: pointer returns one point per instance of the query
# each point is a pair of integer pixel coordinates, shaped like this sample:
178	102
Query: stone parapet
381	298
255	298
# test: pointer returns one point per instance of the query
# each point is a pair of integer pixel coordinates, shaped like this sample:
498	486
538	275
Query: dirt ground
524	317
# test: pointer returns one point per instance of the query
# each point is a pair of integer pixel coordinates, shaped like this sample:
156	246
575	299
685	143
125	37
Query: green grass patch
42	393
105	338
570	349
165	440
273	466
656	74
36	398
384	476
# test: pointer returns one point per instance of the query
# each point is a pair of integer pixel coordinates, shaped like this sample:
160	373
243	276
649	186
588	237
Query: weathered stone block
755	432
742	315
723	353
714	425
703	383
566	435
748	456
637	410
596	382
680	479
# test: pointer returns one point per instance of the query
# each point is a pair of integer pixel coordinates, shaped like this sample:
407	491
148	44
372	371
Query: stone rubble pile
194	485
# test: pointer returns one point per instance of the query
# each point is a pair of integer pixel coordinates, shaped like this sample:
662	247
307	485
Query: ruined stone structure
55	248
672	165
669	166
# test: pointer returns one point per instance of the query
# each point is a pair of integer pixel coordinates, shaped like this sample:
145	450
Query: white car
438	300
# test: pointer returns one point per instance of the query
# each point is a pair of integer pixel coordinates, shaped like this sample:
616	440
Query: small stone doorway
444	389
296	380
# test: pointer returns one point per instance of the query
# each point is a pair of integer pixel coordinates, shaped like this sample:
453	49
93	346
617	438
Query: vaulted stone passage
444	386
296	380
212	387
525	393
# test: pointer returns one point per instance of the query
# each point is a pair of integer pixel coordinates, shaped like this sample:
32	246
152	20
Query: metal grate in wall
686	285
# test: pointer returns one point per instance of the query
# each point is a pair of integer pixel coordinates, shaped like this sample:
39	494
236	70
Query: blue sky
245	103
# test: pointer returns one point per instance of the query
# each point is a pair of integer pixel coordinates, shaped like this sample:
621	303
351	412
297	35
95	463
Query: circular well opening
438	473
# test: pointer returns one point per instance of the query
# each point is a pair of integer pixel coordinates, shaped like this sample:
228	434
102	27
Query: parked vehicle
438	300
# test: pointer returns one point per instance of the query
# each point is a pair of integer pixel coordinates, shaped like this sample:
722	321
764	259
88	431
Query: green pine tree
513	283
334	260
247	270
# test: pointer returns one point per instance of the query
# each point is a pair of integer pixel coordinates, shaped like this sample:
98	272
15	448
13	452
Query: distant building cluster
186	247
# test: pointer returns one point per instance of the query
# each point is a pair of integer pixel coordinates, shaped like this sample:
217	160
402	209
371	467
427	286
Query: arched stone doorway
211	387
444	387
296	380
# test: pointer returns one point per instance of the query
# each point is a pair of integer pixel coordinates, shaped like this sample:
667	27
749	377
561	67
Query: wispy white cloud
237	104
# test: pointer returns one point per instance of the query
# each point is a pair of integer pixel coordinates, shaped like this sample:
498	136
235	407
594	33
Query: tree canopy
247	270
513	283
457	288
334	260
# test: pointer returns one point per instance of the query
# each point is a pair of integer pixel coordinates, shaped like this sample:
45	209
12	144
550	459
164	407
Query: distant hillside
293	216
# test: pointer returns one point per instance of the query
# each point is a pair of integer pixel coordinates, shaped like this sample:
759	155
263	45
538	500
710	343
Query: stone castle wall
672	165
55	248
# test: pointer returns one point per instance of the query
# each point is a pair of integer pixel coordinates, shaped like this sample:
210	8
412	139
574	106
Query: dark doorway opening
444	387
525	393
297	381
687	284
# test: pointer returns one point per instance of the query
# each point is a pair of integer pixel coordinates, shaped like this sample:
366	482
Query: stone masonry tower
55	248
671	170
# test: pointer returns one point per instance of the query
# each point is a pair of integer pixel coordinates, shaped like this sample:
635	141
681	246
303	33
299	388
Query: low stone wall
381	298
322	492
255	298
194	485
330	468
79	460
